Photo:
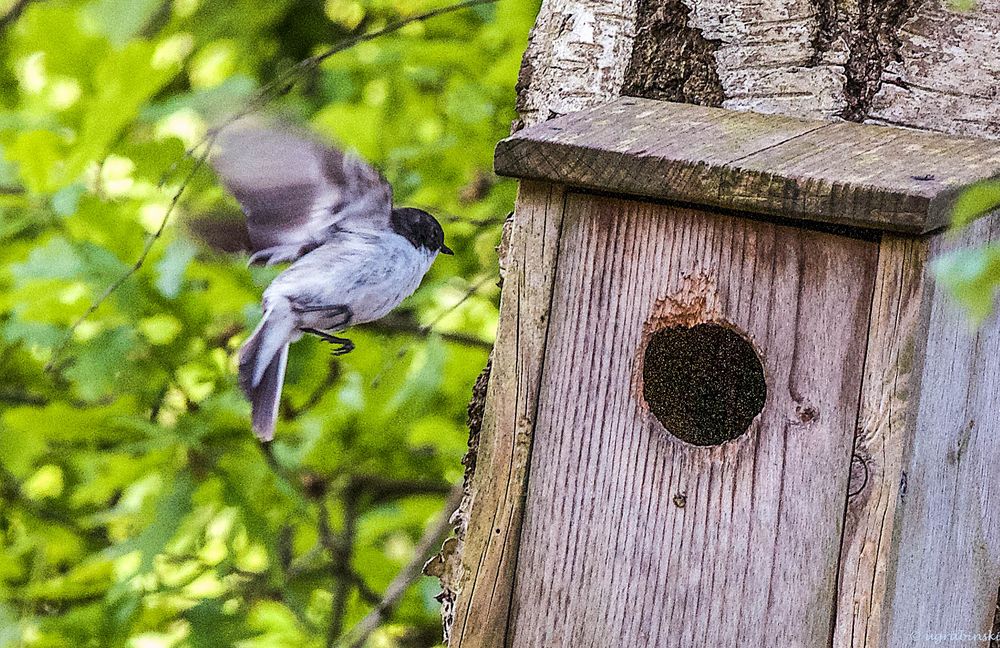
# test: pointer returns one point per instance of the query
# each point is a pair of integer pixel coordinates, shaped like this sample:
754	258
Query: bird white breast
371	273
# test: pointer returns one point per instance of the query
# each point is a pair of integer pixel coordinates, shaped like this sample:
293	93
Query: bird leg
335	309
346	346
344	315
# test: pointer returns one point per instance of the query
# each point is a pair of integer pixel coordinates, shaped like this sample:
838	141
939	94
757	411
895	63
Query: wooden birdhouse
729	405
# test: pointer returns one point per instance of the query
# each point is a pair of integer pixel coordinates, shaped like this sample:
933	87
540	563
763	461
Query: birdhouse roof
836	172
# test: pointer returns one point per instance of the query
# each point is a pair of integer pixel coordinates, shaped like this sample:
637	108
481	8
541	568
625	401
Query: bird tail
262	368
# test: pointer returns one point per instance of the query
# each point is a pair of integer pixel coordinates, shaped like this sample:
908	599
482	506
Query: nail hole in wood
704	383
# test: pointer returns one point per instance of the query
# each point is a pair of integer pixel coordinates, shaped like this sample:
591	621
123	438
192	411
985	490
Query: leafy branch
141	260
10	491
275	88
340	547
973	274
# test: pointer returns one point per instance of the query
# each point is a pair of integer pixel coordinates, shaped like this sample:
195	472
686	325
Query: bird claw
346	346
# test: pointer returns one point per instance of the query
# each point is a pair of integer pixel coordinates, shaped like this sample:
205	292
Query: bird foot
344	347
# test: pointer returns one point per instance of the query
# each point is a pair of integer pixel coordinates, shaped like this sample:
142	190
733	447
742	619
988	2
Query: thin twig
331	378
449	217
341	548
469	292
267	449
13	13
276	87
307	564
399	325
287	79
286	478
139	262
428	328
380	488
356	636
17	397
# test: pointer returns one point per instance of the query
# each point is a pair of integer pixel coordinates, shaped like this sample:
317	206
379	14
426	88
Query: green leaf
171	268
171	509
67	423
86	579
54	31
99	363
423	378
976	200
211	626
33	334
124	81
66	200
973	276
210	102
120	20
160	329
38	154
57	259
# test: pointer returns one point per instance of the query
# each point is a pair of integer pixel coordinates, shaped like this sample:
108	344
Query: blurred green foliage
137	509
973	274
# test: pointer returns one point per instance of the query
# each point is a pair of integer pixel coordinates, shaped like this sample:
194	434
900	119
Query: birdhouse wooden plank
729	404
884	178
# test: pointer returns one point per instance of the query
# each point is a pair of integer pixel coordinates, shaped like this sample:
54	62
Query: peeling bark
767	58
576	57
446	566
671	61
947	76
875	43
898	62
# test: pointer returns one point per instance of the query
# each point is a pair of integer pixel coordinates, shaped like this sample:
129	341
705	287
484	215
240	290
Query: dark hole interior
704	383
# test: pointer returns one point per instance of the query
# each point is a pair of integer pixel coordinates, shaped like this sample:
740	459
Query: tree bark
924	65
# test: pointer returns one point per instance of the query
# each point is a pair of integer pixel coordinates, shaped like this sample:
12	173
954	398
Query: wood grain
841	173
949	542
633	538
889	398
491	541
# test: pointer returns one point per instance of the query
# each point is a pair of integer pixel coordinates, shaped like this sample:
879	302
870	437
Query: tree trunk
923	65
918	65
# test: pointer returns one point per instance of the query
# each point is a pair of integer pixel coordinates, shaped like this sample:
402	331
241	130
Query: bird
353	255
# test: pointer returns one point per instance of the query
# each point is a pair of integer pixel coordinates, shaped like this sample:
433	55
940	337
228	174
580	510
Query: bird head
419	228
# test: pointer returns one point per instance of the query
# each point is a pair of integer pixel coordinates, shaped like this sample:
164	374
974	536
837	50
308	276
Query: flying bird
354	257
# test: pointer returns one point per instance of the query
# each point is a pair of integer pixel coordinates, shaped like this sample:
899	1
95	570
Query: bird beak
445	250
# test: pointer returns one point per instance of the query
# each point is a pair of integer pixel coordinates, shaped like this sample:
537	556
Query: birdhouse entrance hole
704	383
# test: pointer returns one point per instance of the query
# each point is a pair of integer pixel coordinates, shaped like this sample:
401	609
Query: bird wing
296	192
